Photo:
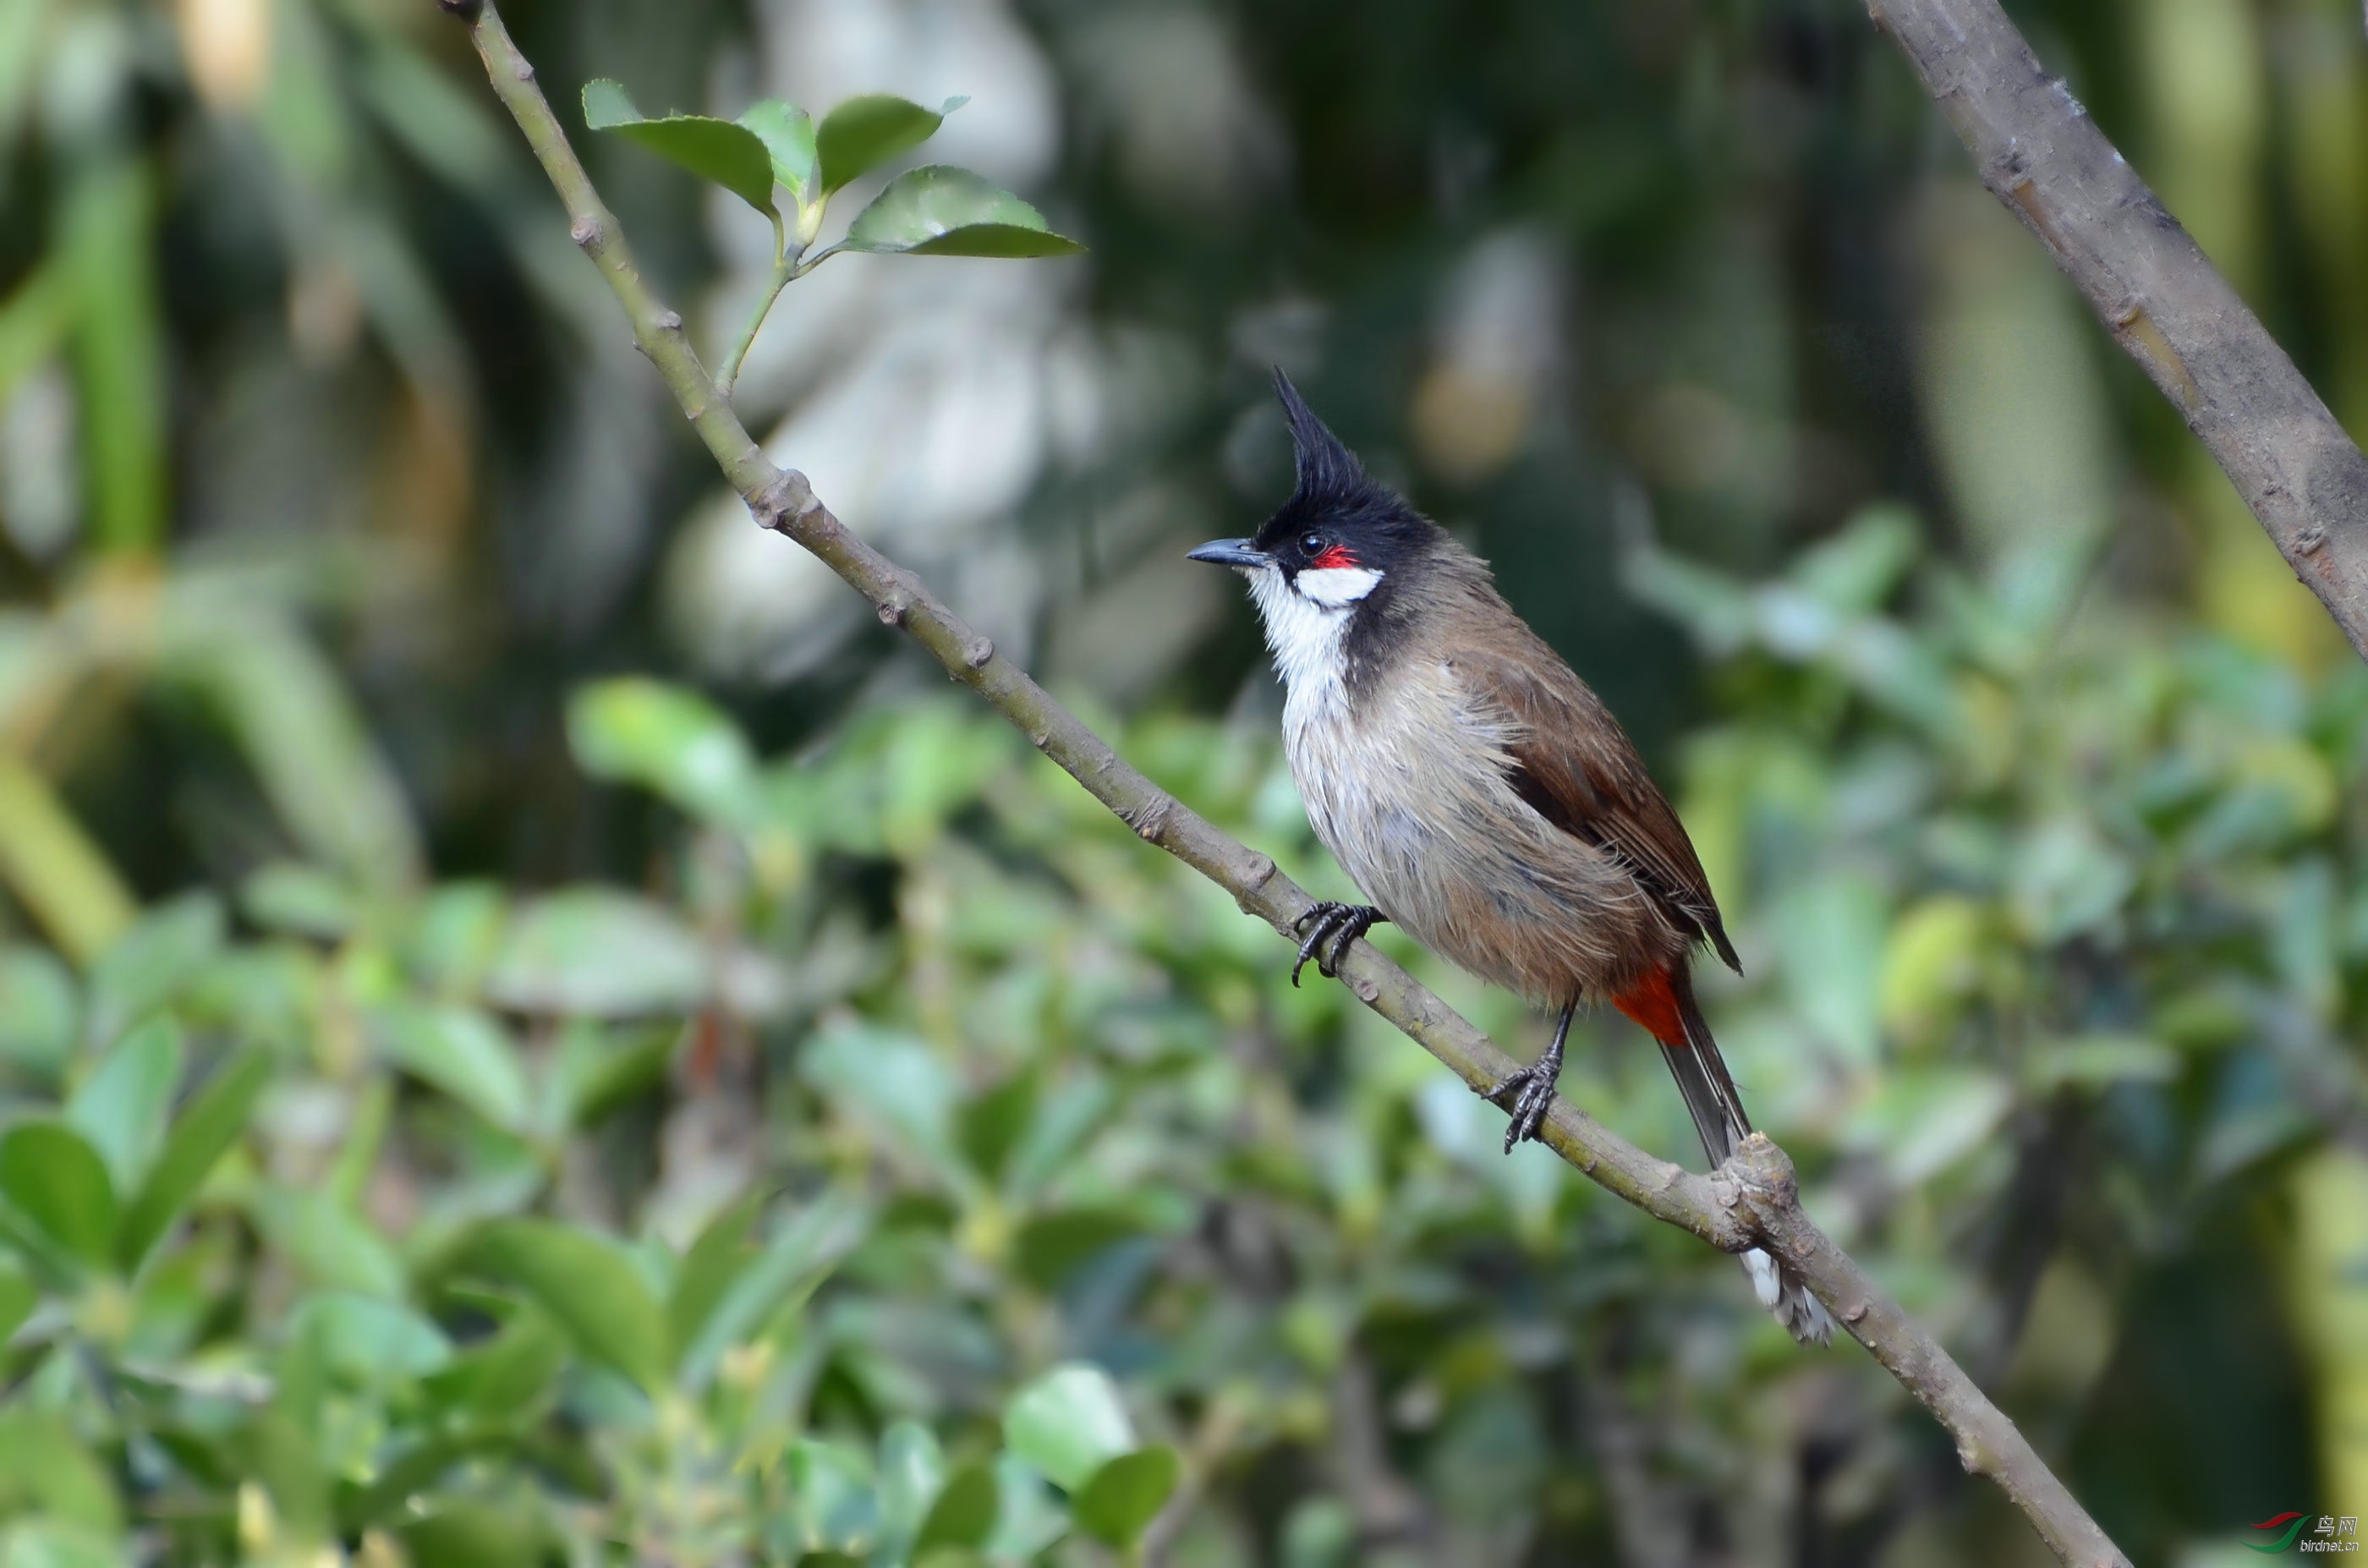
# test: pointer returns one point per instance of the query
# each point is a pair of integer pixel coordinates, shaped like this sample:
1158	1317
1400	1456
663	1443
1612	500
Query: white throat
1306	624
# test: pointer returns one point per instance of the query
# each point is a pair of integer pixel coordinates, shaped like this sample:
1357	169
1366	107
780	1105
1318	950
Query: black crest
1329	473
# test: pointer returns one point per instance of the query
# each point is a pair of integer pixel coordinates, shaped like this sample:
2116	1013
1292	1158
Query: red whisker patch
1333	557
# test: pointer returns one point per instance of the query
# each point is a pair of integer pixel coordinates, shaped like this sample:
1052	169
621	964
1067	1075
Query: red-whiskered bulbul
1482	796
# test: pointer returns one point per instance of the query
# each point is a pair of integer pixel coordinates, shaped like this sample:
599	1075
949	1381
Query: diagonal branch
2040	153
1752	1202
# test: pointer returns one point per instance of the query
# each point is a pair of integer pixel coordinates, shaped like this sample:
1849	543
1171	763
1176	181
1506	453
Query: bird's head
1335	549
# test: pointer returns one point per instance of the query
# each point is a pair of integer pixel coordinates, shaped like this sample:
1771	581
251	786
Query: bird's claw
1533	1087
1532	1092
1337	925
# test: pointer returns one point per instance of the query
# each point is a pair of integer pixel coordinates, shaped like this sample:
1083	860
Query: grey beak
1230	553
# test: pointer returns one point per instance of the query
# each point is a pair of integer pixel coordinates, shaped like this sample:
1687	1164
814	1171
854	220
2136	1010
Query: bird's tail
1665	1005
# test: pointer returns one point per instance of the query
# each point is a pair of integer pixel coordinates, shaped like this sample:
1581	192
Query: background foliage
530	1030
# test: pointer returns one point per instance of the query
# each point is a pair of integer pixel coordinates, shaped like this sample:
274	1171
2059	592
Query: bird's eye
1311	543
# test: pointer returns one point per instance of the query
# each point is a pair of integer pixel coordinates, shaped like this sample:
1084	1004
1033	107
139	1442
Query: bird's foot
1330	929
1531	1088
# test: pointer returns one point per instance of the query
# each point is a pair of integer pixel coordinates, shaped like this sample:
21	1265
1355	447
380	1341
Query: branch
1753	1202
785	272
2041	155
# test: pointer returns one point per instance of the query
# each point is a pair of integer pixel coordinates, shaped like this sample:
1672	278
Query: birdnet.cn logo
2300	1531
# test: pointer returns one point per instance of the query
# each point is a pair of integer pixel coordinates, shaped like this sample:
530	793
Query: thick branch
2040	153
1737	1209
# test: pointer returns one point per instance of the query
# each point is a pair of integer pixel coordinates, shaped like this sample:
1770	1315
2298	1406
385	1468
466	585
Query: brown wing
1577	768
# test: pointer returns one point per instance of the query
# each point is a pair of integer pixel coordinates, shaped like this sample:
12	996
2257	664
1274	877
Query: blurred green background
532	1030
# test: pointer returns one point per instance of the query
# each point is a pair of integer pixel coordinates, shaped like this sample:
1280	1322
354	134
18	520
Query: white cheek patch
1336	587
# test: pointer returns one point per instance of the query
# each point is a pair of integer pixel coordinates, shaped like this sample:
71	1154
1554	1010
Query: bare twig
1751	1203
2041	155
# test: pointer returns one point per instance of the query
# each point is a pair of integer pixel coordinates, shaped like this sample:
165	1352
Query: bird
1481	794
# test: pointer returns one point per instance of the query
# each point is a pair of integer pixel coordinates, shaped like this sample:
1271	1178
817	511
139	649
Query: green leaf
2093	1060
287	1460
912	1474
456	936
18	1296
893	1080
1027	1518
864	132
667	739
466	1534
330	1246
152	962
1925	1117
714	1260
1053	1244
44	1470
837	1509
300	900
595	951
505	1378
37	1011
1126	1494
462	1051
33	319
414	1473
731	155
121	1106
59	1183
369	1340
59	874
964	1514
212	1122
788	133
589	1287
990	1125
792	1262
34	1541
1004	242
110	243
300	730
596	1069
179	1295
1068	1424
941	211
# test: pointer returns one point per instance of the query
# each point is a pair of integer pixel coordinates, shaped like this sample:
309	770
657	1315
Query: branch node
1365	988
523	71
894	607
666	320
1040	739
1151	820
1260	872
585	232
2313	540
1765	1169
787	504
465	10
977	652
1854	1313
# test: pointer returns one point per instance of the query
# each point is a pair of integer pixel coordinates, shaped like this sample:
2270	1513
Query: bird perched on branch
1481	795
